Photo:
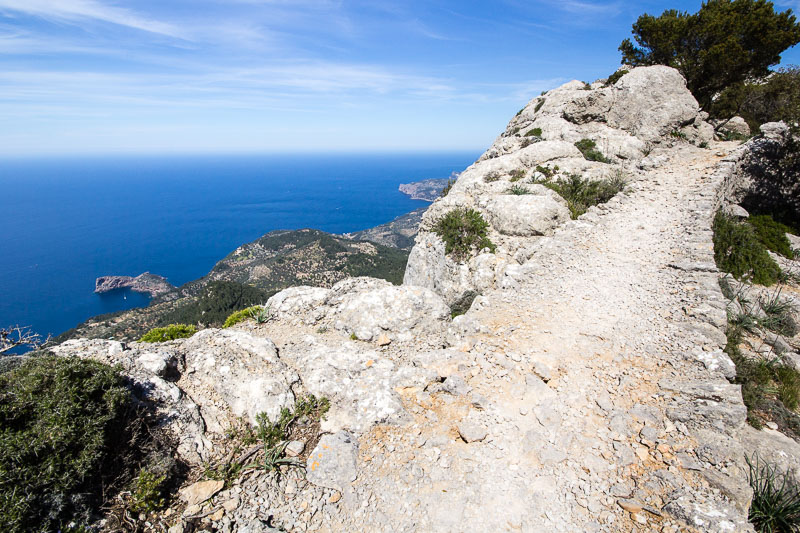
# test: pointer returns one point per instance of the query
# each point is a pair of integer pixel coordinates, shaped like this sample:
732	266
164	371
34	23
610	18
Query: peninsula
151	284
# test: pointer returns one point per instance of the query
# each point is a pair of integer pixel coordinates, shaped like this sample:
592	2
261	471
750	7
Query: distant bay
66	221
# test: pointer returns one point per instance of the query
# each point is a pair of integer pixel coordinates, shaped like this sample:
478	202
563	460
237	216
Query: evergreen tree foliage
725	43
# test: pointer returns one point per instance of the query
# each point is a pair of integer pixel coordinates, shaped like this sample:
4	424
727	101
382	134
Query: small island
151	284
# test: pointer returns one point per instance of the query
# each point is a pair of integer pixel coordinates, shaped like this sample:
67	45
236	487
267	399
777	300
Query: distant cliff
428	190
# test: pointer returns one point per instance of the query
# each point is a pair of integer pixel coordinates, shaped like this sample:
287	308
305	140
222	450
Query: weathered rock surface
332	464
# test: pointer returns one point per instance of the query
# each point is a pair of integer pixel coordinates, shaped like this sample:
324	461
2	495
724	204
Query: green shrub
148	492
463	231
738	251
677	134
241	316
775	507
589	150
581	194
535	132
772	234
724	44
169	333
539	104
614	78
62	434
547	172
462	305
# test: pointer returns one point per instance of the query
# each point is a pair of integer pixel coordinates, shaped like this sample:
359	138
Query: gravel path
596	400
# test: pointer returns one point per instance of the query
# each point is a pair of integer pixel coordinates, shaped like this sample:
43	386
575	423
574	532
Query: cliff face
585	388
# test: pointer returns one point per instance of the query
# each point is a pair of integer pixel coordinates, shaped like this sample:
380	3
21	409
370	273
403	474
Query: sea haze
67	221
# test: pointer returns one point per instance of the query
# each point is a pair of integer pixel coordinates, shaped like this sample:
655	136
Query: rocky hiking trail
584	389
586	393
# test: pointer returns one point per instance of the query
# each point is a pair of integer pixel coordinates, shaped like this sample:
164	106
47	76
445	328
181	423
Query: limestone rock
242	370
736	125
471	432
527	215
332	464
201	491
397	312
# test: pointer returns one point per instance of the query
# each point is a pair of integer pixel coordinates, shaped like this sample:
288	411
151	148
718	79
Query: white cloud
81	10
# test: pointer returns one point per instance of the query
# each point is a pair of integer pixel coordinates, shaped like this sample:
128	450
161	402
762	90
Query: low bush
539	105
614	78
772	234
148	492
242	315
491	176
463	231
775	507
535	132
738	251
582	193
64	431
590	152
169	333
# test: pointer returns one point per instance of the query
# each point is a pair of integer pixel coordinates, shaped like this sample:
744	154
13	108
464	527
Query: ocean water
66	221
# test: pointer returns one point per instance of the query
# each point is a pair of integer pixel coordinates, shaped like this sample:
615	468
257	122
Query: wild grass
769	388
775	507
517	190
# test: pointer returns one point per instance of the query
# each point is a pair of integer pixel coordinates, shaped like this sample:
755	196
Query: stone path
596	401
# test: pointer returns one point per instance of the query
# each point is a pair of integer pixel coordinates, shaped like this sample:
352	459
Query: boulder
527	215
650	102
400	313
359	382
332	464
736	125
298	302
242	371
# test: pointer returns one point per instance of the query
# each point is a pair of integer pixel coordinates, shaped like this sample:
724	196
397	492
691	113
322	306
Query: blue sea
66	221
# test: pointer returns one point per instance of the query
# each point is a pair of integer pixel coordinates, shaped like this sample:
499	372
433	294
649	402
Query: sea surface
66	221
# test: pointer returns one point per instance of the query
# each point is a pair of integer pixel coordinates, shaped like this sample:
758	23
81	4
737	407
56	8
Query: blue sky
109	76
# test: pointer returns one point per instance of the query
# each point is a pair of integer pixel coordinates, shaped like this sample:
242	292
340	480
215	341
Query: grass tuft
776	498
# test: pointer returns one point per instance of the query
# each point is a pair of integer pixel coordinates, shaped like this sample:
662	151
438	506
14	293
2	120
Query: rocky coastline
427	190
148	283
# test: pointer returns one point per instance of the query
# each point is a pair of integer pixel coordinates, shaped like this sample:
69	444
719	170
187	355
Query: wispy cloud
75	11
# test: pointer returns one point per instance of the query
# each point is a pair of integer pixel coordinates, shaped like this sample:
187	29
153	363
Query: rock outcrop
428	190
584	389
625	120
147	283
